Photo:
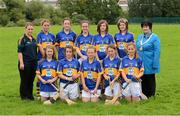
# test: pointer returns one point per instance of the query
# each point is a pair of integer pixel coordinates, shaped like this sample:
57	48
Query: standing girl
102	39
64	38
91	76
123	37
44	38
132	70
47	73
84	40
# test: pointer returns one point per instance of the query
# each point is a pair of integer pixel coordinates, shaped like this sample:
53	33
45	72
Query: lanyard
141	42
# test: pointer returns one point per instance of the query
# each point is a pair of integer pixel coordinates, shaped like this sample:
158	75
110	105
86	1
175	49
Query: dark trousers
27	78
149	84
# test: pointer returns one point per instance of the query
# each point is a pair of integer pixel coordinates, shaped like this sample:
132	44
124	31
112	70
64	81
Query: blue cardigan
149	52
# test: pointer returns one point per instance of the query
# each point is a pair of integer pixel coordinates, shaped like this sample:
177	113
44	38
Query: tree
14	9
94	10
154	8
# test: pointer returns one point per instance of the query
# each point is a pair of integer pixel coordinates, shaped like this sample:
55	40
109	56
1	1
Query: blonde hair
28	24
44	21
91	47
52	48
122	20
134	45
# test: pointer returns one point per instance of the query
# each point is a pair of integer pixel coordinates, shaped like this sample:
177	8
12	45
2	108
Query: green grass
168	86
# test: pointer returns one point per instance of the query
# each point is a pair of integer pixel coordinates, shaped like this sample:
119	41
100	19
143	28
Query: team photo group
71	67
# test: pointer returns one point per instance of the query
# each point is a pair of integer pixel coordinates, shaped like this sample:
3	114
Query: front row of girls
91	73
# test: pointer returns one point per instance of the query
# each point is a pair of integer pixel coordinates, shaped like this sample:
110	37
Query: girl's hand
44	81
50	81
94	91
128	80
75	76
112	83
86	89
136	76
84	57
107	77
69	79
21	66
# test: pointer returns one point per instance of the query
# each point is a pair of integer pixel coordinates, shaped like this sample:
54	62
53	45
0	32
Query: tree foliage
154	8
94	10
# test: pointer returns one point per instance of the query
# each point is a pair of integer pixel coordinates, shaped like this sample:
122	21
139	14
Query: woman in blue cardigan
148	46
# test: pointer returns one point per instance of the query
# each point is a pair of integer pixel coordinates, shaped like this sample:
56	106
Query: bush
56	20
78	17
21	22
36	22
11	24
58	15
4	19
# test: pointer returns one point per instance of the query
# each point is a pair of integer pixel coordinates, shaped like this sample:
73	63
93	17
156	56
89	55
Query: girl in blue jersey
91	76
84	40
111	74
47	74
44	38
123	37
68	71
102	39
64	38
132	70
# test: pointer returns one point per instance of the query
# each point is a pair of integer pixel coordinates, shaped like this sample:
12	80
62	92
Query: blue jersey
90	72
149	52
62	40
111	68
121	41
44	40
68	68
101	43
131	66
82	42
47	70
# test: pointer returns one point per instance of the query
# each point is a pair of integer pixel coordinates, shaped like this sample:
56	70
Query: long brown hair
84	21
54	52
69	47
112	47
99	25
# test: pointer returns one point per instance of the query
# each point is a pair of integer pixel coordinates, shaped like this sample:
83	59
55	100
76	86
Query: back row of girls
67	37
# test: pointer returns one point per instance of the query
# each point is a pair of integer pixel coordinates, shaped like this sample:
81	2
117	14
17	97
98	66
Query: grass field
168	81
